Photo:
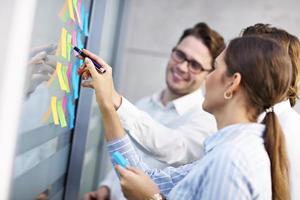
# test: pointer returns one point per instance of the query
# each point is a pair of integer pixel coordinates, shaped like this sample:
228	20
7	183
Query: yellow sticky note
70	5
63	42
61	114
54	110
60	76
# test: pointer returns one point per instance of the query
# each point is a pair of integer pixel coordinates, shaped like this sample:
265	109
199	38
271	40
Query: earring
227	95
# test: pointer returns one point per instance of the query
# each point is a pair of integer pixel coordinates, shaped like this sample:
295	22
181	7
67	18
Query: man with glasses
168	128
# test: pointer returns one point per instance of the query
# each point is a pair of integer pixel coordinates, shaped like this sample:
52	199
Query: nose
183	67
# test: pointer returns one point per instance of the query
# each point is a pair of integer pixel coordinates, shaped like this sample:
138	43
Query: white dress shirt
289	120
164	135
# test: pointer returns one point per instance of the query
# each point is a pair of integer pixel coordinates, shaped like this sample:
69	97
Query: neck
229	116
168	96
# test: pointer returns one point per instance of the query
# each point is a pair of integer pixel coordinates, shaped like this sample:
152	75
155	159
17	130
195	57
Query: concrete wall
154	27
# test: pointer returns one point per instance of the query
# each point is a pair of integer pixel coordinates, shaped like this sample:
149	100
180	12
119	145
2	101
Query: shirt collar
182	104
227	133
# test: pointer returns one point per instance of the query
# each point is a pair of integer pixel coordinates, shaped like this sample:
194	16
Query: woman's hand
101	82
136	185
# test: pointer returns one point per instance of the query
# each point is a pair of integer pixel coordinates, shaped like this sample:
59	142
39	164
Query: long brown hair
291	43
265	68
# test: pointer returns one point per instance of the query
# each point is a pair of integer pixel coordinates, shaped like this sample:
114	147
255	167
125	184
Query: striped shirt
235	166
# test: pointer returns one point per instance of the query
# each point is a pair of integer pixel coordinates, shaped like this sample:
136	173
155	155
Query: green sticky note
61	114
65	78
69	46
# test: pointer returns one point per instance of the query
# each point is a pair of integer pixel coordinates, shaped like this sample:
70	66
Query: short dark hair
210	38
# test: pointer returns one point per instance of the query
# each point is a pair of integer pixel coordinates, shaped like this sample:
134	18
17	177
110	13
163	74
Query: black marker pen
98	67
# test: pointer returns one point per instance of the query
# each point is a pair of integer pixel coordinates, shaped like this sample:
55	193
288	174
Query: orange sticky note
47	115
53	76
60	76
70	5
63	42
54	110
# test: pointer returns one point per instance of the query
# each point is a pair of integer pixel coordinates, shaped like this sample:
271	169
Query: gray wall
154	27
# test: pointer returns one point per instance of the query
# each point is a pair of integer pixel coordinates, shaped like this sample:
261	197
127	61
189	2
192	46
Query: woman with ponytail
288	118
244	159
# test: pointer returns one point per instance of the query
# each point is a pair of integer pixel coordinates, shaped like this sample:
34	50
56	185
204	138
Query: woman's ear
234	82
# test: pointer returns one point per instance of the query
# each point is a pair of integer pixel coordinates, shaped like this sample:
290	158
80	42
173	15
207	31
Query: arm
114	133
165	179
185	142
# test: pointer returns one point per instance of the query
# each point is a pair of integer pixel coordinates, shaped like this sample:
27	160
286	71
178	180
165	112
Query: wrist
157	196
117	100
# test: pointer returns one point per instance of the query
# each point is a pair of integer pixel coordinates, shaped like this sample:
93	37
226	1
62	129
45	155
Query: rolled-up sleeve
165	179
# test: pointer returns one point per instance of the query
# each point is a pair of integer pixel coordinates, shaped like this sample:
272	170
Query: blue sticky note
86	24
75	79
119	159
79	41
71	111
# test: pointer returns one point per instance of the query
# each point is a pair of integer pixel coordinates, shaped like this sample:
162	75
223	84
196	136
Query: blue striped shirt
235	166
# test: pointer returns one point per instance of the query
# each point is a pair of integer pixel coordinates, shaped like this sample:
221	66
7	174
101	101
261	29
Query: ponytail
276	148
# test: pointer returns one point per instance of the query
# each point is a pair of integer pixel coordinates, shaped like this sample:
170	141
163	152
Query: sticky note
63	14
61	114
71	111
53	76
119	159
47	115
79	41
77	12
63	42
60	76
75	79
86	24
64	103
65	78
80	13
54	110
74	38
69	75
70	5
69	46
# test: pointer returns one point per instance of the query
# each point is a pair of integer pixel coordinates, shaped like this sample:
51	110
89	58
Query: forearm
165	179
112	126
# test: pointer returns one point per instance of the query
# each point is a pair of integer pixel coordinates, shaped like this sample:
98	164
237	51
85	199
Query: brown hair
265	68
289	42
210	38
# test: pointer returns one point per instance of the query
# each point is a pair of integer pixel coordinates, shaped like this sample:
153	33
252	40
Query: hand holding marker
99	68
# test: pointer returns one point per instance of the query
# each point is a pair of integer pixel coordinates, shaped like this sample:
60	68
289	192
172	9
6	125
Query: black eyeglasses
180	57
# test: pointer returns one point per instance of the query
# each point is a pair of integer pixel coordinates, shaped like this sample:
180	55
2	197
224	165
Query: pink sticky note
74	38
69	73
64	103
